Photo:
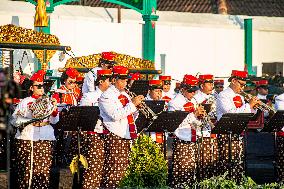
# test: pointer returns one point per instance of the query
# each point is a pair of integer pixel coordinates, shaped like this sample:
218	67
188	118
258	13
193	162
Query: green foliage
221	182
218	183
147	167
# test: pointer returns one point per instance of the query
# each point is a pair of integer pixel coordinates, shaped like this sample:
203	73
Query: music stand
166	122
156	105
232	123
140	87
80	118
275	123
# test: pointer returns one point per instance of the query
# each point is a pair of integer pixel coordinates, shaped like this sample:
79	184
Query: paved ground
65	181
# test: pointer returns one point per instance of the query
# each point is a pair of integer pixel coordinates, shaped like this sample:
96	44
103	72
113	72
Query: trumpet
261	106
143	108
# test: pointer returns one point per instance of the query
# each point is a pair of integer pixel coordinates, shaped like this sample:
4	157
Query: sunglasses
167	82
39	86
242	84
191	90
71	82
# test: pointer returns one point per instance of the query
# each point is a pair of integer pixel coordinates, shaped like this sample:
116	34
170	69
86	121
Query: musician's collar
36	96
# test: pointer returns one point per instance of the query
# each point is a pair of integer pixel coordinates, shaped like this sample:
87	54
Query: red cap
206	78
79	78
104	72
38	76
108	56
134	76
120	70
72	73
239	74
219	82
165	78
190	80
155	82
262	82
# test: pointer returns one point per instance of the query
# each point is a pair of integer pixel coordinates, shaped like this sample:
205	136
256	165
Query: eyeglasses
71	82
39	86
241	84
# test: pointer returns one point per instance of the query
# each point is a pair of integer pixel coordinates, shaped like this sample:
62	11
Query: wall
212	44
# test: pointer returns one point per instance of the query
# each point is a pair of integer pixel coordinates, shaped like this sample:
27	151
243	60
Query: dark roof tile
235	7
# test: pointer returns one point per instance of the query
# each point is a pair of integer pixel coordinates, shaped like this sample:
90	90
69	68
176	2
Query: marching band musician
279	105
106	62
262	89
155	90
218	86
230	101
133	77
154	94
93	144
118	111
184	147
68	95
68	92
34	143
167	94
102	83
209	142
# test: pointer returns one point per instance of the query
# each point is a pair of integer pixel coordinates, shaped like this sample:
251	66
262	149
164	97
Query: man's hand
200	111
137	100
54	101
254	102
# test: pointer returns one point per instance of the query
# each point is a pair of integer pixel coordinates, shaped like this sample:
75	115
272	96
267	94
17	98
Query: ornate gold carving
222	7
41	18
14	34
92	61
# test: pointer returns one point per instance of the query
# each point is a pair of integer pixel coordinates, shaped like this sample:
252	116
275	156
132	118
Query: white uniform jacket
184	131
30	132
89	81
279	104
113	113
261	97
170	94
92	99
225	103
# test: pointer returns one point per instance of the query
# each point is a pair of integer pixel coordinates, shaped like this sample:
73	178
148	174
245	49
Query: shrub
147	167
